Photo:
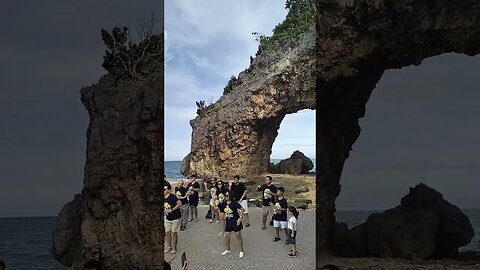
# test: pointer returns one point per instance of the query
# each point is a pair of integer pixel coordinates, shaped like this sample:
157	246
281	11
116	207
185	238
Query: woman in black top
233	222
220	193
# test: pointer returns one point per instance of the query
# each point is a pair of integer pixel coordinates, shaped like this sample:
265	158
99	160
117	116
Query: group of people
228	207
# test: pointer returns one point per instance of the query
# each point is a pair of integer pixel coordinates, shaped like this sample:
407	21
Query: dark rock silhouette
117	220
424	226
357	41
296	164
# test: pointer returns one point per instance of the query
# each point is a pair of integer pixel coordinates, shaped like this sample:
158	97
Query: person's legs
222	223
244	204
227	241
276	225
190	213
265	211
239	240
168	239
185	211
175	229
195	212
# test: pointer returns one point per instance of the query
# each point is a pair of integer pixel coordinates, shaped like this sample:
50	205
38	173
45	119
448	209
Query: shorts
292	240
278	224
212	202
244	204
171	225
193	201
231	226
266	209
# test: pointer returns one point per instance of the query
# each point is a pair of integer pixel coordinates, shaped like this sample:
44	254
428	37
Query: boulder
307	201
296	164
301	189
423	226
300	205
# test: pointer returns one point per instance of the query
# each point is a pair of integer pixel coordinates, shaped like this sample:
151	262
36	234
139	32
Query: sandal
174	251
276	239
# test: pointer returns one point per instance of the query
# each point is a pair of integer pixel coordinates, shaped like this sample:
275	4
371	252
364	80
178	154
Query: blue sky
205	43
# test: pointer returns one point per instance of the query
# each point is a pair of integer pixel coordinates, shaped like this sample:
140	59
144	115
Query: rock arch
235	135
356	42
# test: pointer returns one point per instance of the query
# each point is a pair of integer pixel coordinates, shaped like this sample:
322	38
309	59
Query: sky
206	43
49	50
421	125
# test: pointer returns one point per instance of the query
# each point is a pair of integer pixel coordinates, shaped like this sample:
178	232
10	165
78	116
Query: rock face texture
423	226
236	134
357	40
296	164
117	220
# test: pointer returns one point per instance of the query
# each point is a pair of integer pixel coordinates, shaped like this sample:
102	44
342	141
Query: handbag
209	214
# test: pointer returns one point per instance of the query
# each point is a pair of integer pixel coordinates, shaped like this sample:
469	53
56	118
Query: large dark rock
296	164
117	221
423	226
455	229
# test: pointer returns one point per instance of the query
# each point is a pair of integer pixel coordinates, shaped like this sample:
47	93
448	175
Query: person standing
280	216
181	192
268	198
210	186
233	222
221	191
193	189
171	207
292	230
240	195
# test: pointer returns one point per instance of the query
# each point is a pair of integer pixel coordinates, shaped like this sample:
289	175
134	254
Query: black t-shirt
231	210
195	193
238	190
282	215
181	192
267	198
221	193
171	202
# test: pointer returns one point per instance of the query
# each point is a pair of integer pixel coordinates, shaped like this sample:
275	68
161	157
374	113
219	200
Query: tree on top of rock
123	56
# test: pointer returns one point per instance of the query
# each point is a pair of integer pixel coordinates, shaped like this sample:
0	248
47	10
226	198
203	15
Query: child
280	216
292	230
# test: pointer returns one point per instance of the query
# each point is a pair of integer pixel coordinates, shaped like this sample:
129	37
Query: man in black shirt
181	192
193	189
268	198
172	218
240	195
280	216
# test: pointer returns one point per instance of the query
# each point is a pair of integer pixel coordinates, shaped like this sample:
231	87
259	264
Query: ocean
25	242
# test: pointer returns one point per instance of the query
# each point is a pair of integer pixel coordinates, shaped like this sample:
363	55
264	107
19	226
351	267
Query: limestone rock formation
296	164
356	42
117	220
235	135
424	226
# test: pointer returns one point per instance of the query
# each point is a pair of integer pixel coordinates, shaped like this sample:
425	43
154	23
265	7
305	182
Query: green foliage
300	17
233	81
126	58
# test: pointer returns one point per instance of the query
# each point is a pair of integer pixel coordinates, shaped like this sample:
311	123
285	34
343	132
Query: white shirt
291	221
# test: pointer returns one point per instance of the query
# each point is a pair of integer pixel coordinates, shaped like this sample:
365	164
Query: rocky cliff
235	135
117	220
357	40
